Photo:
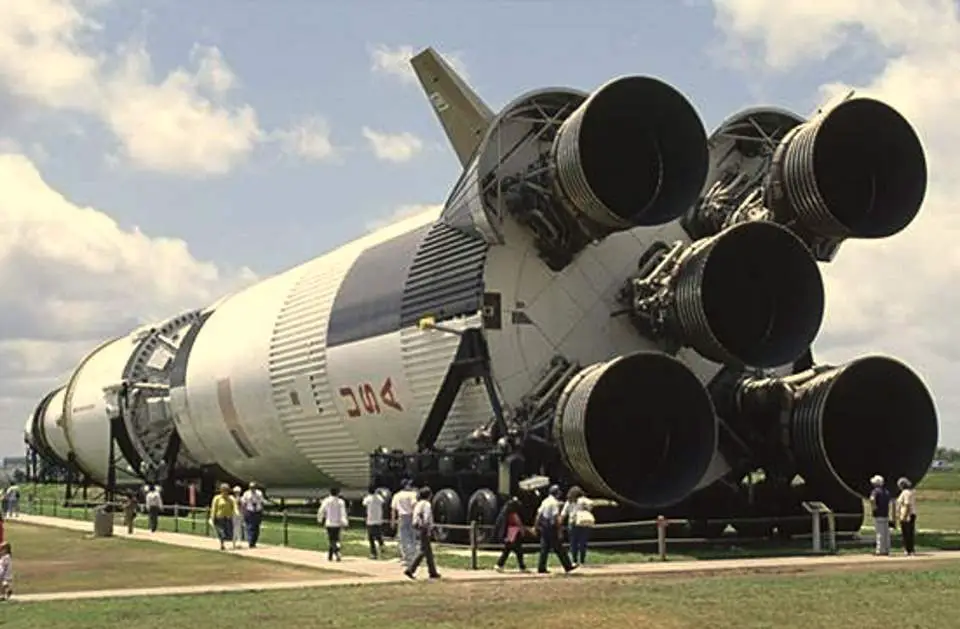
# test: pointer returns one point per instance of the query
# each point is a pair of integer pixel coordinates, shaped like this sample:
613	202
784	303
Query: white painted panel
86	418
53	426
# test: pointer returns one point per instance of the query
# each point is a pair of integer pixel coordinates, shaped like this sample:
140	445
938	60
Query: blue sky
301	177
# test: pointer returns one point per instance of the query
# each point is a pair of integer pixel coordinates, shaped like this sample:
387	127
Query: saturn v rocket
608	297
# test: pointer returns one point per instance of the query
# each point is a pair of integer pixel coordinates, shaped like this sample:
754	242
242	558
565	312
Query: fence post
832	532
206	525
817	541
86	510
54	507
40	507
474	537
193	520
286	537
176	518
662	537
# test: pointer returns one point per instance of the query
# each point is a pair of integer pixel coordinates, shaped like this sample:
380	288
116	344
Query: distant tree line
948	454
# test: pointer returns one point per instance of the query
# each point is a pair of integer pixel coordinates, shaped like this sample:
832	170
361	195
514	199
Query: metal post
832	531
286	534
193	520
176	518
817	541
54	507
662	537
474	537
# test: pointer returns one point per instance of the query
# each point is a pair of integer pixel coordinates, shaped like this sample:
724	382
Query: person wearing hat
251	505
880	503
401	507
548	525
906	512
222	510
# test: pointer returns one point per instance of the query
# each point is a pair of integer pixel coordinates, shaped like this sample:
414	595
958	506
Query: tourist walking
401	508
373	506
548	526
252	506
154	504
333	515
423	524
509	528
222	510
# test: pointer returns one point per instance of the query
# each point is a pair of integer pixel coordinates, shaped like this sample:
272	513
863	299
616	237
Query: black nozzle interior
870	168
762	294
879	418
643	150
651	430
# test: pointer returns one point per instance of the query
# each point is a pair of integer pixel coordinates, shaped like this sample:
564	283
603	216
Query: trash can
102	522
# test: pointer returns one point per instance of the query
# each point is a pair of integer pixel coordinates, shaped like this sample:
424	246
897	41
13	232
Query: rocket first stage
608	297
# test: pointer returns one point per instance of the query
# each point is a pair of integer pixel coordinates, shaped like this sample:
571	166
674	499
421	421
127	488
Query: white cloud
70	277
895	295
181	123
309	139
395	62
393	147
401	213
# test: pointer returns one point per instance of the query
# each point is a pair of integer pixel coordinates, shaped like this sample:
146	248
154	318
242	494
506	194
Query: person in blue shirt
880	502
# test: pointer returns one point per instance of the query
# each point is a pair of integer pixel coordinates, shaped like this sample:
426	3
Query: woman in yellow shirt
222	510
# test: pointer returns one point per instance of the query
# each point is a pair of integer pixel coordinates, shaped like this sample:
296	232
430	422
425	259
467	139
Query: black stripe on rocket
435	270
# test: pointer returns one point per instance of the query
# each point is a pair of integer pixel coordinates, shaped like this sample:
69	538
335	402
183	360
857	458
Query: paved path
368	571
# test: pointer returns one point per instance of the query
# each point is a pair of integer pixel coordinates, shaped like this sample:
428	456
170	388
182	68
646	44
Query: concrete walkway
369	571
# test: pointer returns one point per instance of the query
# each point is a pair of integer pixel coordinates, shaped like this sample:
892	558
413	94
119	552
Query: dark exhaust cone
640	428
857	172
752	296
634	153
871	416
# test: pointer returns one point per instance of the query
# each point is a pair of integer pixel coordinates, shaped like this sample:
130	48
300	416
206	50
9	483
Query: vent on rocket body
751	295
873	415
856	170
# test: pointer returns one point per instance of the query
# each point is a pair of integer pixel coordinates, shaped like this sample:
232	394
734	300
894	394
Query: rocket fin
464	116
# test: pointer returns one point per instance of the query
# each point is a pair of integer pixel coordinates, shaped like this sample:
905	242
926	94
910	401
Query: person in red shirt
509	528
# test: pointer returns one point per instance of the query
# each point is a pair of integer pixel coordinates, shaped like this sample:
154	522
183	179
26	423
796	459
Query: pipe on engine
753	295
873	415
634	153
640	428
859	171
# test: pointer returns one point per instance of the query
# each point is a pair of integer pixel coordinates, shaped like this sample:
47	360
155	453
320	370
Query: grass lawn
819	599
57	560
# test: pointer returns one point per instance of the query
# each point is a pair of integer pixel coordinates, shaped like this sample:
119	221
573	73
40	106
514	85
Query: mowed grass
924	595
48	559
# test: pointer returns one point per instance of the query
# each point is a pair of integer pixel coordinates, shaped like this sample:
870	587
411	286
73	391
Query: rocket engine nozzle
634	153
858	171
640	428
873	415
751	295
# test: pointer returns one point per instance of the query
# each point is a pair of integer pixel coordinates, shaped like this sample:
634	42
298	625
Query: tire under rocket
674	275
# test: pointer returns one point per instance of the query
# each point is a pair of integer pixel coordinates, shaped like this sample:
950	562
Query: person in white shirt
239	534
402	510
251	506
373	504
548	524
333	514
906	512
154	503
6	571
423	525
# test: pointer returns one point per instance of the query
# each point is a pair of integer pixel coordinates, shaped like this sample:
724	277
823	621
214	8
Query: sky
155	155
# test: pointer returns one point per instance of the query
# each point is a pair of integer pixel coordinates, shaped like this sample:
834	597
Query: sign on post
817	510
